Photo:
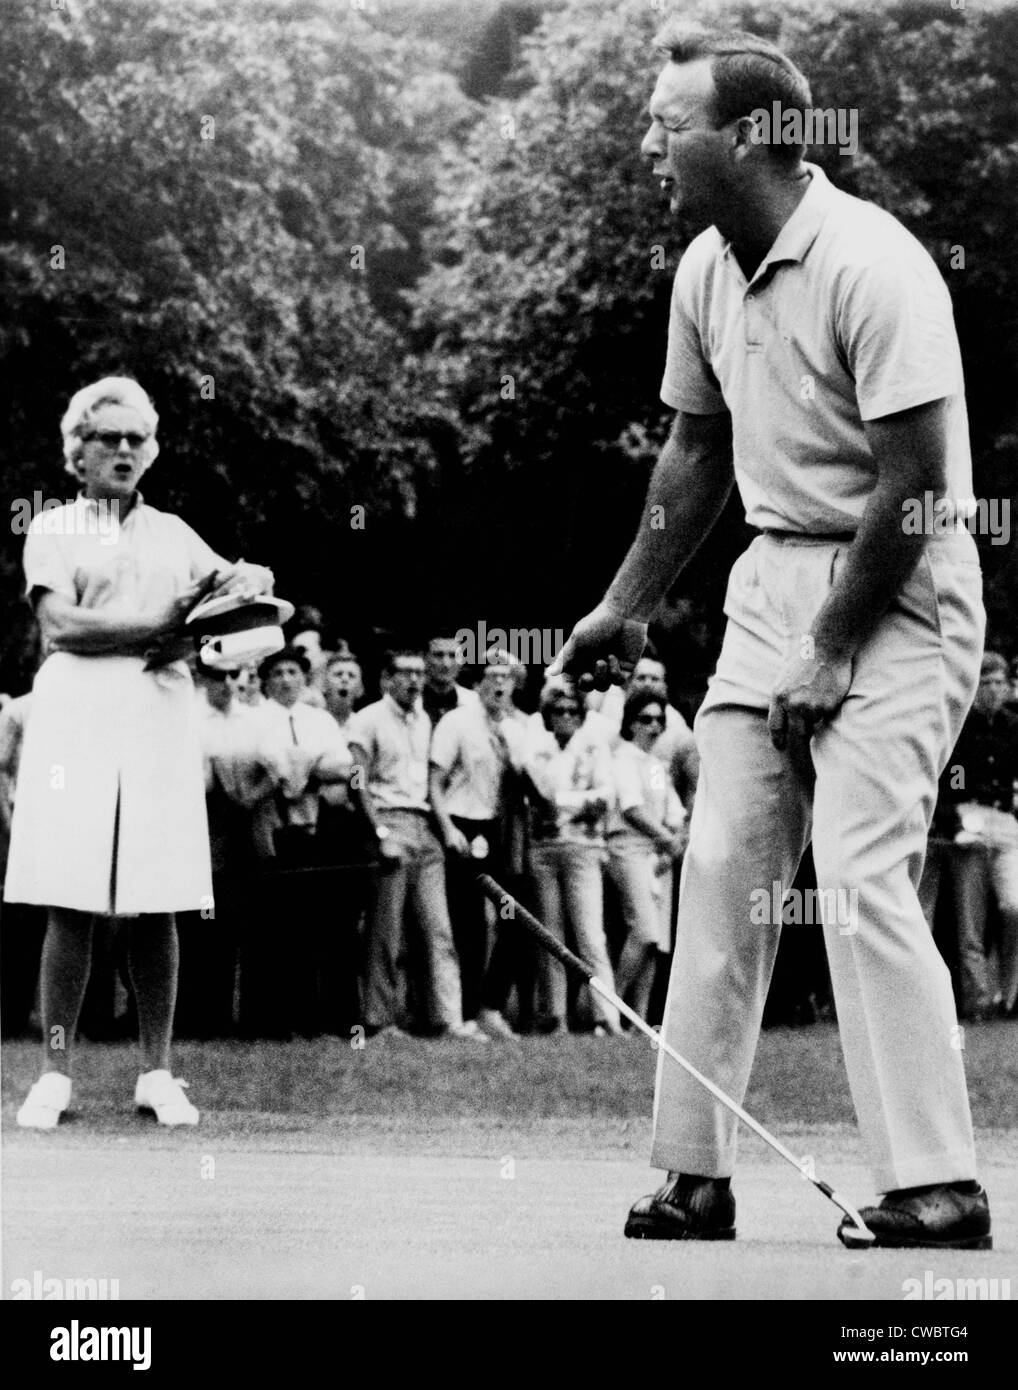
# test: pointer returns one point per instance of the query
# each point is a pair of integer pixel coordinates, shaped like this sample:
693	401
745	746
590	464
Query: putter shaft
498	895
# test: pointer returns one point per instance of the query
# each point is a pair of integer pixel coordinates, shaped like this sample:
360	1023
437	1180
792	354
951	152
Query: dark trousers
468	910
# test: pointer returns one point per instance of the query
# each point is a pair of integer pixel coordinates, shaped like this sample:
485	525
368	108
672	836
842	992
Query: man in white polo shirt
389	742
812	360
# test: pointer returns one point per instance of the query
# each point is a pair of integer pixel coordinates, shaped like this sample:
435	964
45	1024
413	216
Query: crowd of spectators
347	834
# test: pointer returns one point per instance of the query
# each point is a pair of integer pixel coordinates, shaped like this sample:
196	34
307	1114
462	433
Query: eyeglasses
649	719
111	439
565	709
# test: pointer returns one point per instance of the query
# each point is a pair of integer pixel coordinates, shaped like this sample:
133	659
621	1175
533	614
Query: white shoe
159	1092
46	1101
494	1024
467	1032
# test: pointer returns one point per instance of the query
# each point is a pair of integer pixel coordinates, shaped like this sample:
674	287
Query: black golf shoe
686	1208
940	1217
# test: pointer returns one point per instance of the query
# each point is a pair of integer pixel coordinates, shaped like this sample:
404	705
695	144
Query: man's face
444	662
407	681
343	682
686	152
284	683
115	453
647	674
994	691
496	689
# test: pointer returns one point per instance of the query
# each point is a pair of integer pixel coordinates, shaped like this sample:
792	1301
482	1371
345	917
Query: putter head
855	1237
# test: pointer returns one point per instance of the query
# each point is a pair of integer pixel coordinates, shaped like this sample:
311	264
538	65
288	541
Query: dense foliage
404	257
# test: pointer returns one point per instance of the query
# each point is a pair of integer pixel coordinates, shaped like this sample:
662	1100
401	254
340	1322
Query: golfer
110	814
812	359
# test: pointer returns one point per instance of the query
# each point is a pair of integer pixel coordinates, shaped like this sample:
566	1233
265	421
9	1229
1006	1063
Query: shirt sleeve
201	557
361	730
46	564
896	328
689	382
329	740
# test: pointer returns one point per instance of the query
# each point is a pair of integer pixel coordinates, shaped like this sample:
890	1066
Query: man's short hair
343	658
293	654
994	662
749	74
395	654
500	656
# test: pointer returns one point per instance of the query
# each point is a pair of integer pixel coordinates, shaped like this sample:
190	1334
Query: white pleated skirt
109	809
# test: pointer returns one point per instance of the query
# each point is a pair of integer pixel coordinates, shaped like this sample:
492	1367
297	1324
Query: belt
810	537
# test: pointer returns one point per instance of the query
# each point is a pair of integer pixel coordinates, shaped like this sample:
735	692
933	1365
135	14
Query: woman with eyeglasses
568	767
110	812
645	836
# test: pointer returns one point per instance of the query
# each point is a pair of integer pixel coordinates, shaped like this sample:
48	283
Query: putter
855	1238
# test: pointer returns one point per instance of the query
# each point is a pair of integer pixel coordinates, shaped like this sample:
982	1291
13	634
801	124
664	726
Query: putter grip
500	897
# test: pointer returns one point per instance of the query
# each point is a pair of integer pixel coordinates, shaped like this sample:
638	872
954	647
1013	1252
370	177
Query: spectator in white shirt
390	742
570	776
441	692
474	750
291	984
645	837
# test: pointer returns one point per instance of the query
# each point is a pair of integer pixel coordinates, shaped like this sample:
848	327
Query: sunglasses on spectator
649	719
111	439
565	709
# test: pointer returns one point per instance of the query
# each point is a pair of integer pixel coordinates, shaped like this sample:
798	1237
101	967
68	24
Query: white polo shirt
396	742
466	747
846	319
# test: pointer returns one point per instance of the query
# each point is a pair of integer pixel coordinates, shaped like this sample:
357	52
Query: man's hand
604	647
457	843
809	691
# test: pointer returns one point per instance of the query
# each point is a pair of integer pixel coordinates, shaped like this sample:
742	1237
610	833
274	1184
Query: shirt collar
91	504
800	231
407	716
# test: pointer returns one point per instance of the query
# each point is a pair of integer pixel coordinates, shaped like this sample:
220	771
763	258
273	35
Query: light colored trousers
570	892
988	869
645	896
865	791
419	876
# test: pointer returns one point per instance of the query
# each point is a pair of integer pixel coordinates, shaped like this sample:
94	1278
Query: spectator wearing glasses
645	836
675	747
390	741
120	829
569	771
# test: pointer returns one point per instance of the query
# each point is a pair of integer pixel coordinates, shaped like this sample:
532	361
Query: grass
798	1079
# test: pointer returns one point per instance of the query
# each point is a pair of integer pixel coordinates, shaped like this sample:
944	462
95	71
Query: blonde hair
111	390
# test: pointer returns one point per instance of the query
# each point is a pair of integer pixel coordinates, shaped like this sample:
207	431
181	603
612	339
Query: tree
226	200
546	309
